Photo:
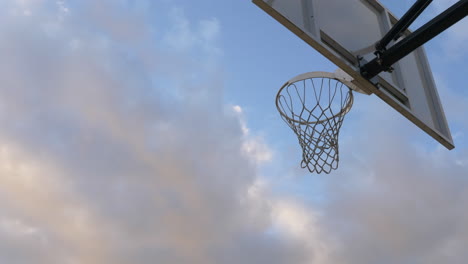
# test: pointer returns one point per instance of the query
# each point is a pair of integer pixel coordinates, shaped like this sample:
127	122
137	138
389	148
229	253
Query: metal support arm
404	47
397	30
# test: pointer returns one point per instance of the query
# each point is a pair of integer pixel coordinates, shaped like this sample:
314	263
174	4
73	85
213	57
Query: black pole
431	29
402	24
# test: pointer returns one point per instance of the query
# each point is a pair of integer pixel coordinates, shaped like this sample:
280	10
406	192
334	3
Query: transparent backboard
345	30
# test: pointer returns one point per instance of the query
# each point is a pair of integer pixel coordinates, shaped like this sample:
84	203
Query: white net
314	107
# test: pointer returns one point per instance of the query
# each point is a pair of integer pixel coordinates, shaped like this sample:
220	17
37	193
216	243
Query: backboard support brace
386	58
397	30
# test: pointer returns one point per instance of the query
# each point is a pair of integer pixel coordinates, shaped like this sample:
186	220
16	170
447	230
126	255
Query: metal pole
431	29
402	24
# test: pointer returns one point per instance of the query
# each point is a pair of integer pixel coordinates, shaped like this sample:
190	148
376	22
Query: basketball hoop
314	105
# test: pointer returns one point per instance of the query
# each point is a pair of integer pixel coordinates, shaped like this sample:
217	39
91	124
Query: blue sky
146	132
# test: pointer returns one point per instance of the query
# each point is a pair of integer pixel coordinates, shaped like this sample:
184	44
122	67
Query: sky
146	132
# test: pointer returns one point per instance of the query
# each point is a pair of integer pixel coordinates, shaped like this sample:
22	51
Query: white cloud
185	35
293	221
257	149
16	227
254	146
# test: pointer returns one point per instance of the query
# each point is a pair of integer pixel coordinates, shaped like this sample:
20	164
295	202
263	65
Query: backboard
344	31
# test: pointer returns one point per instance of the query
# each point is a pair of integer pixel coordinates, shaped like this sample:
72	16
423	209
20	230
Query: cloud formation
116	146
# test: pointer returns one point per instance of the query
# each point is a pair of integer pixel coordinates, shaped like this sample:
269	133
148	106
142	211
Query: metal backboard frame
345	30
